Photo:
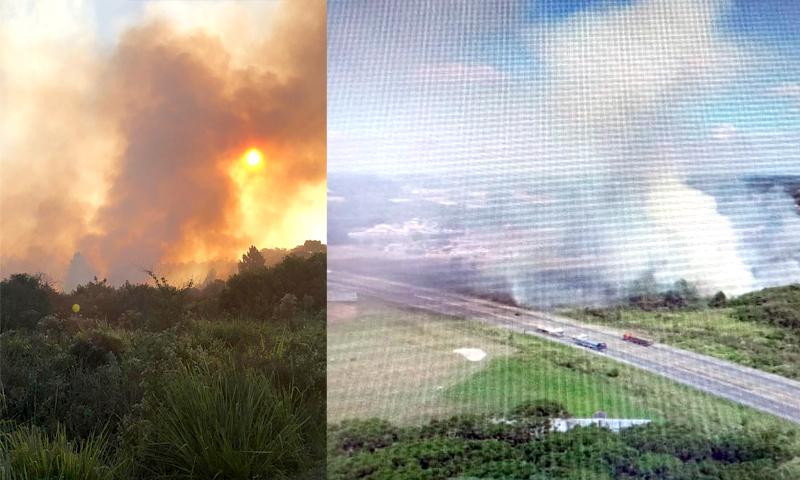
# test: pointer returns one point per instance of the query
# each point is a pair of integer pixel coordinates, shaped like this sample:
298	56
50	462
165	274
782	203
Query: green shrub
29	454
354	436
540	408
778	306
35	378
679	442
719	300
95	348
96	399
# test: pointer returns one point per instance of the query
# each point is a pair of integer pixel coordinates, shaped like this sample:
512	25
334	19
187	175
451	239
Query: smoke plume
130	151
560	159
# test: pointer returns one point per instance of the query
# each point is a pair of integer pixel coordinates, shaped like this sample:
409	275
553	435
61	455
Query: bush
719	300
35	378
258	293
540	408
354	436
28	453
778	306
96	399
679	442
646	294
24	299
95	348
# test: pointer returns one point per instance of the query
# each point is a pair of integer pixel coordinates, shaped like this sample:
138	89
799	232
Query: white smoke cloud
605	135
616	81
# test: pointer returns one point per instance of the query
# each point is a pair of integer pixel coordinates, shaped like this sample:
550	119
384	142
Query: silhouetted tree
24	299
252	261
719	300
644	292
687	292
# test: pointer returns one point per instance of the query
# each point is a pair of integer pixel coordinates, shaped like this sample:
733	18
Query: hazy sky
556	136
125	126
432	86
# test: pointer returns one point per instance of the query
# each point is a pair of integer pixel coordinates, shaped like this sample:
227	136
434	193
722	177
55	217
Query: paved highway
763	391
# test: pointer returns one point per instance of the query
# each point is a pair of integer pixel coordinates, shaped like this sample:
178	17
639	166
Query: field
714	332
399	365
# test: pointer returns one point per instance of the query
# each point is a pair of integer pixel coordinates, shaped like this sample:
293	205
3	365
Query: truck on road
553	331
587	342
637	339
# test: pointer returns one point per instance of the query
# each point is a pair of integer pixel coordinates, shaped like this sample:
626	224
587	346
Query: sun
254	157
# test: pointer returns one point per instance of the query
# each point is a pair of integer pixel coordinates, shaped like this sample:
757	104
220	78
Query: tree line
521	445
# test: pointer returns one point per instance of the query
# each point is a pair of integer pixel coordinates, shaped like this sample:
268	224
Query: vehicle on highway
554	331
587	342
637	339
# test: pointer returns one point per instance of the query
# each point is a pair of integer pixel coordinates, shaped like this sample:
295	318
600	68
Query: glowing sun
254	157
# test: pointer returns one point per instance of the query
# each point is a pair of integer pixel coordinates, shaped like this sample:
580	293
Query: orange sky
133	151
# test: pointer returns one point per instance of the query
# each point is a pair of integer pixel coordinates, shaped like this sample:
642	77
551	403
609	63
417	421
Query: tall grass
27	453
227	423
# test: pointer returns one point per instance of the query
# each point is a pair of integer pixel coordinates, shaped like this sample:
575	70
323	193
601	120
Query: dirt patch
471	354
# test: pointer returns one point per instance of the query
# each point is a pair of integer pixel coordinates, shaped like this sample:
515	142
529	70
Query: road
747	386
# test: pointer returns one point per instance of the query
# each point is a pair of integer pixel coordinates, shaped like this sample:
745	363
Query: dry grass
397	364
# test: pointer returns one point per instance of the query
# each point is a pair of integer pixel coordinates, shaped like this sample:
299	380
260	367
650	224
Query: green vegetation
759	329
436	414
586	383
427	380
157	381
226	421
29	453
519	445
512	381
777	306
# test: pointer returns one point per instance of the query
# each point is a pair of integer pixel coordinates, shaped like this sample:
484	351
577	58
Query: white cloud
395	231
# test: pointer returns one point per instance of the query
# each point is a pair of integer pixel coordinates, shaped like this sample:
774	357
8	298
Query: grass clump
226	424
29	453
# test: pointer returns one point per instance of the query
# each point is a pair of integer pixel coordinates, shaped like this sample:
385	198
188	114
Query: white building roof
613	424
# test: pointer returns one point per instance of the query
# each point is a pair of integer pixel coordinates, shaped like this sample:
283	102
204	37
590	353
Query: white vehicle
554	331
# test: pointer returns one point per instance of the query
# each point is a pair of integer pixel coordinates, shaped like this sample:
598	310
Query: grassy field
714	332
399	365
